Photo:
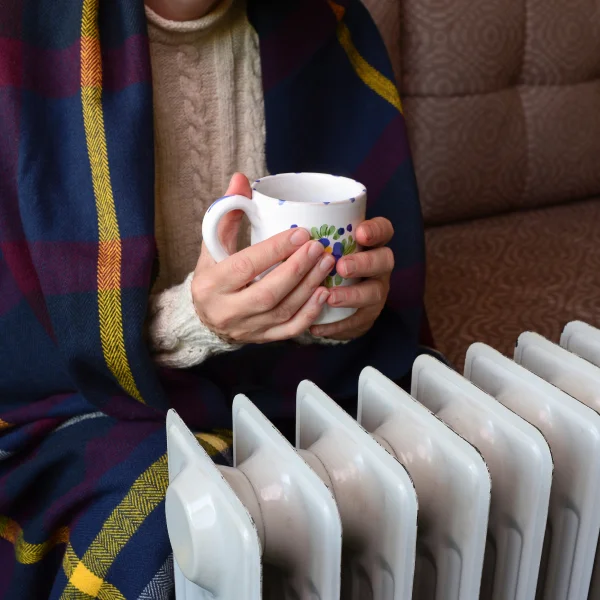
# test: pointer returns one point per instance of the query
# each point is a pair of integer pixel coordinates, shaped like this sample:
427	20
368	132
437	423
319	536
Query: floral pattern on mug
338	242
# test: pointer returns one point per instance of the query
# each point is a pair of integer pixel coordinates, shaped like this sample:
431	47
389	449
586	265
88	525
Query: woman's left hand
370	295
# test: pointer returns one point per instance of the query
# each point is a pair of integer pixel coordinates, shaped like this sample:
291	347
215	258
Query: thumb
229	225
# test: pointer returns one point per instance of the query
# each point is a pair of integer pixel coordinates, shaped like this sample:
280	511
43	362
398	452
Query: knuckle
380	292
265	300
275	249
390	260
283	313
366	258
221	322
202	288
296	269
282	247
243	266
347	295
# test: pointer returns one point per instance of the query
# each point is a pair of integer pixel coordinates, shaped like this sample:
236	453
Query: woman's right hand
282	305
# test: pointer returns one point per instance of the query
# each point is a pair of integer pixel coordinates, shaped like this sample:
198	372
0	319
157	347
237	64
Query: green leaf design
315	233
350	240
350	249
331	230
344	246
336	236
328	282
324	229
338	280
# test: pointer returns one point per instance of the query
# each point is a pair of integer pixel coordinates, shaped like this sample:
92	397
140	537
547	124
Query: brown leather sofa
502	101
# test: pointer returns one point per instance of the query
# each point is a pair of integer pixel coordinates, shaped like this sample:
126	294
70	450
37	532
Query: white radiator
483	486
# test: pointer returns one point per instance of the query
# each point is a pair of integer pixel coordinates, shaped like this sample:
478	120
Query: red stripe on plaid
70	267
11	295
100	456
19	262
382	162
56	73
11	63
126	65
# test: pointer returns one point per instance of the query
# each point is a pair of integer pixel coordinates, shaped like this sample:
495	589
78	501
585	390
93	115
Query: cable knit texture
209	123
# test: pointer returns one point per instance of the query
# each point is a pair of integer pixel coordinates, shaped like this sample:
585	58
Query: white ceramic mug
328	206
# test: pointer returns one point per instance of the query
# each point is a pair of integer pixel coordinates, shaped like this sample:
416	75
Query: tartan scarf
82	445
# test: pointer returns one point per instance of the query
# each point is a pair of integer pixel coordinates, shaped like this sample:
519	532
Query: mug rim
255	186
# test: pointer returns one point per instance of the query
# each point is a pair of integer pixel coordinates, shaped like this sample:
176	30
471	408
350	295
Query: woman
98	169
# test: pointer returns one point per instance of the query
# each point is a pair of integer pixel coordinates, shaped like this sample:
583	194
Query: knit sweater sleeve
178	338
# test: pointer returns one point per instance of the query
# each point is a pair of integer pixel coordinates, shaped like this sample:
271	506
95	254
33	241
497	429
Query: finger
229	225
352	327
300	294
371	292
301	321
371	263
243	267
375	232
298	277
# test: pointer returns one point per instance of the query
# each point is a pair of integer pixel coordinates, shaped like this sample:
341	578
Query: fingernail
327	263
367	232
315	250
323	297
299	237
349	266
334	298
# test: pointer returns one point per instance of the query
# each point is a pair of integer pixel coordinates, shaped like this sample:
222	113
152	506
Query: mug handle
216	211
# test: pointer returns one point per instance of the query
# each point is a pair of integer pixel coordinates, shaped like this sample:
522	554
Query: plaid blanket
83	469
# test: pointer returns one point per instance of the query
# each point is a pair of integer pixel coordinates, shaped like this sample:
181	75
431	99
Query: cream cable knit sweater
209	123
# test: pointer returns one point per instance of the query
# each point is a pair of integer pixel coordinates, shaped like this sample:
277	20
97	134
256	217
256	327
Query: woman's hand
370	295
282	305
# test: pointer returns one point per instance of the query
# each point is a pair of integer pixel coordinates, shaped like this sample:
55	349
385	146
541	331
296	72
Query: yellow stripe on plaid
110	311
25	552
214	443
145	495
80	580
378	82
4	424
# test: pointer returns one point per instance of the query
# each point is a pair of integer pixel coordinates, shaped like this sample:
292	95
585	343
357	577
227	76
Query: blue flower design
338	252
328	236
349	228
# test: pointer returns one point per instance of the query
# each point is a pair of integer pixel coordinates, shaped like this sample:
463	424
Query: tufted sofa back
502	99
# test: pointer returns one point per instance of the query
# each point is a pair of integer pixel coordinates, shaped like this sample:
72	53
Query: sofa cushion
502	101
491	279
